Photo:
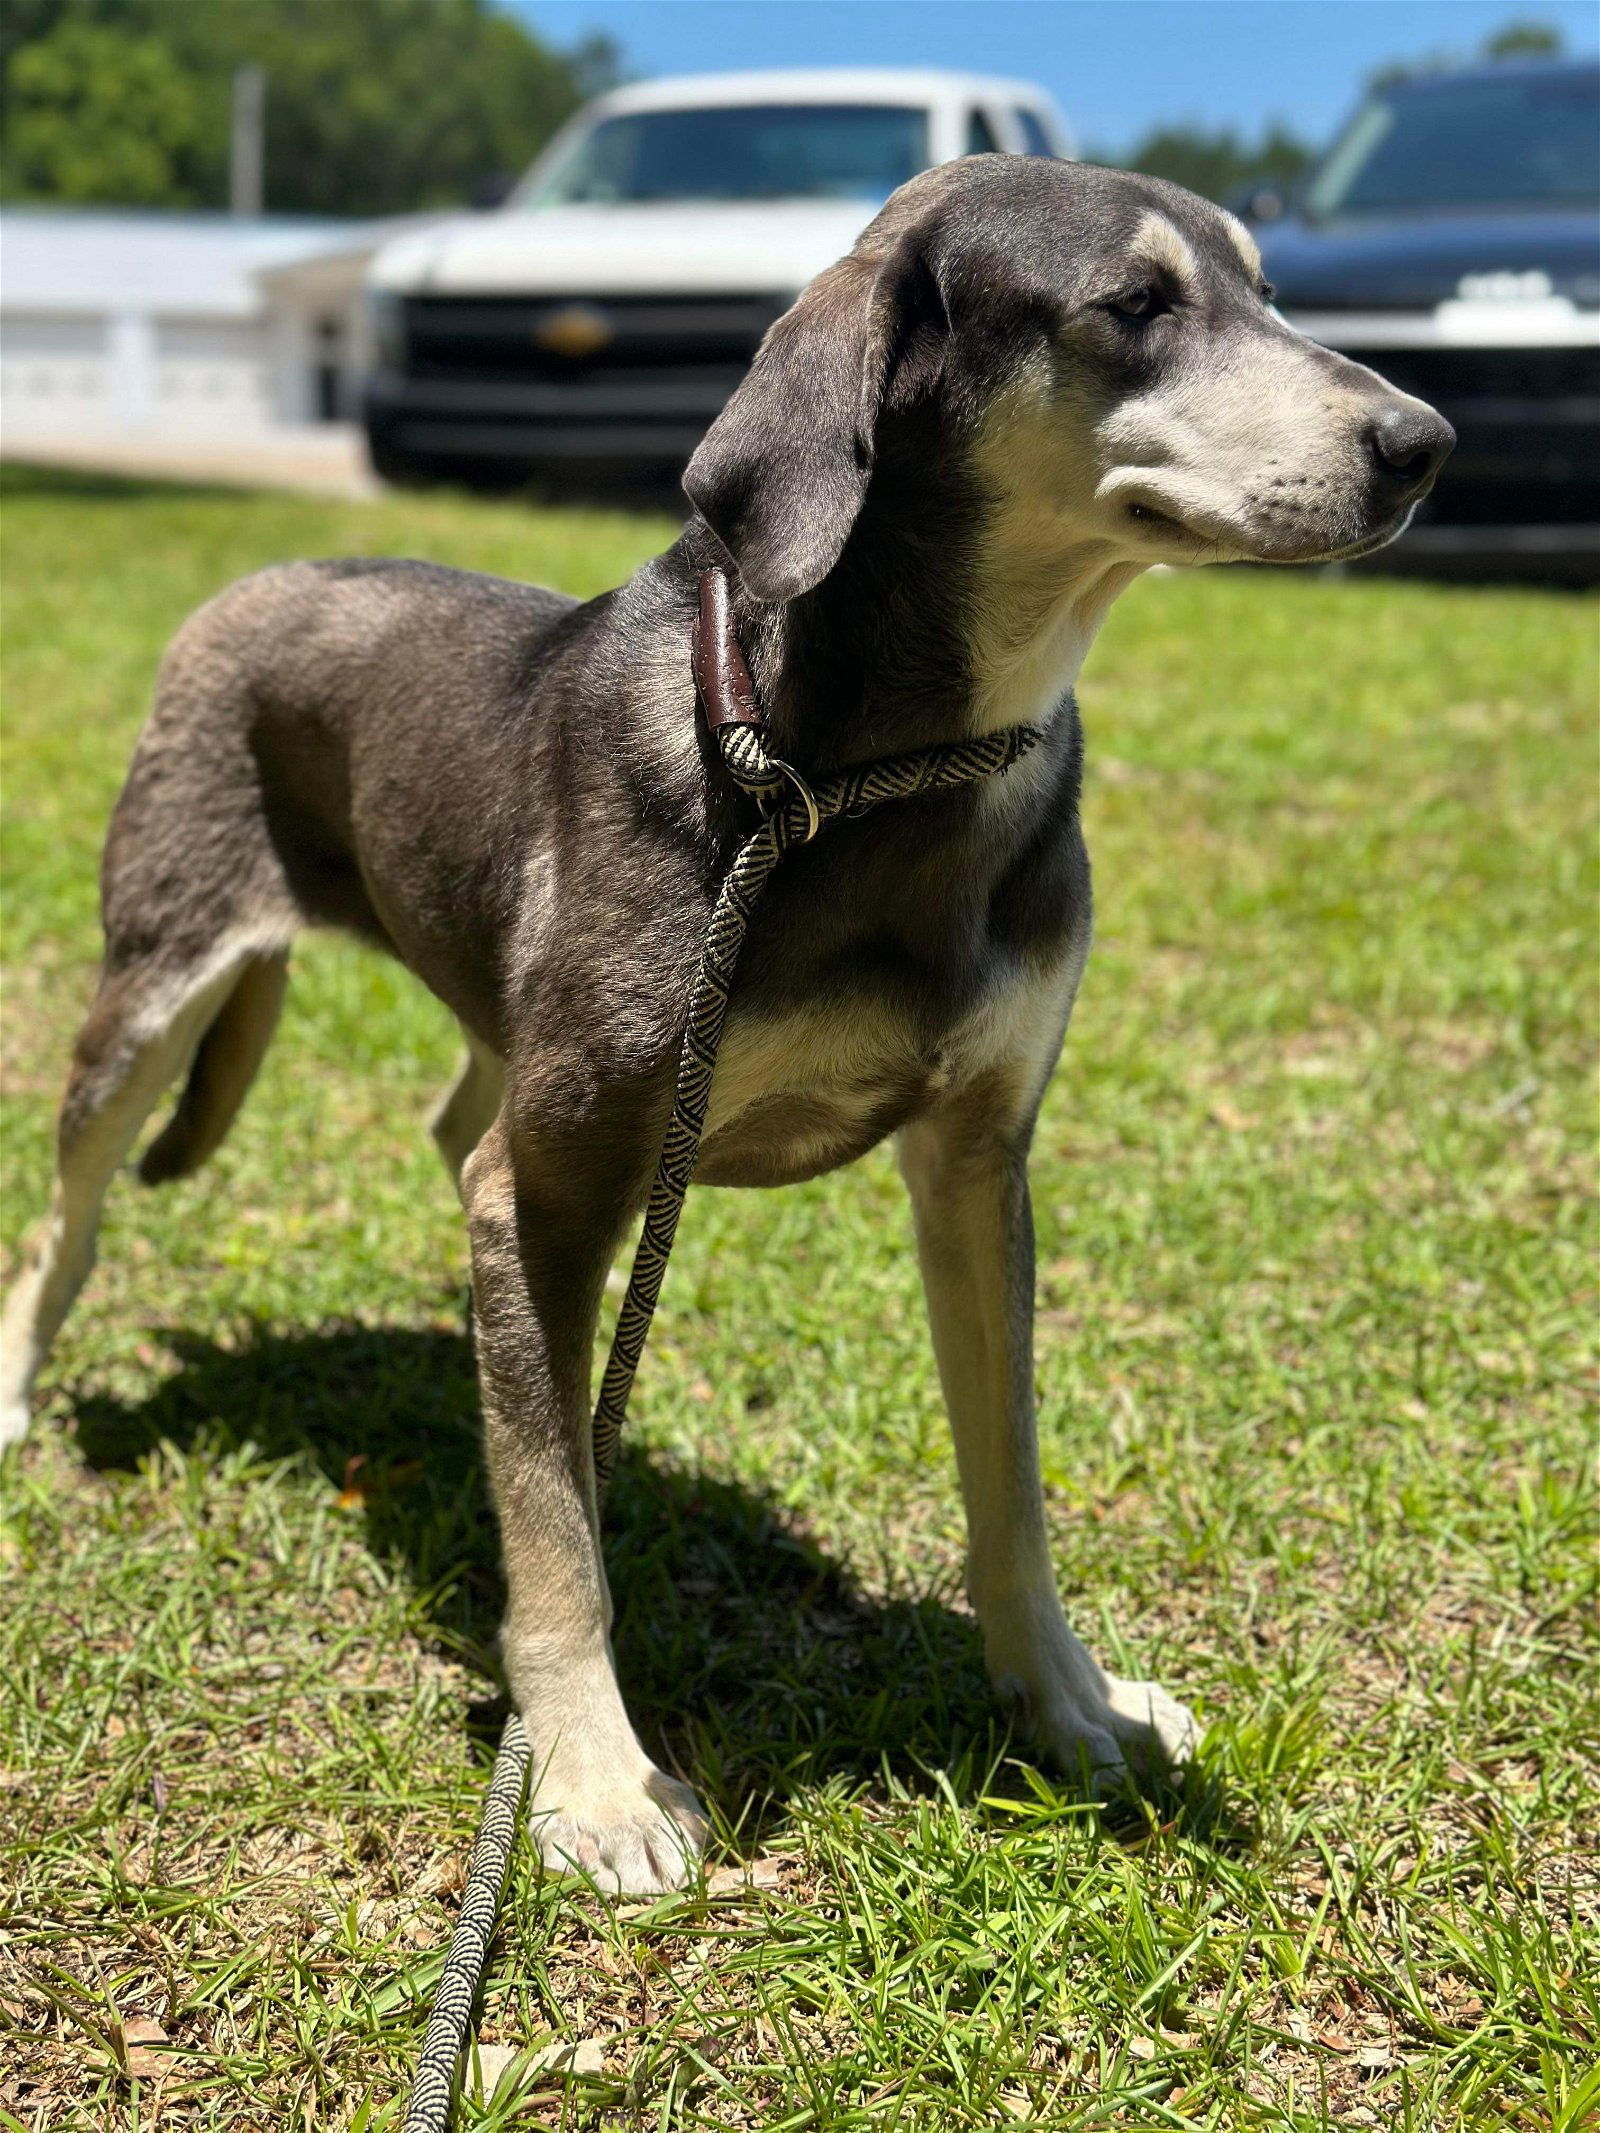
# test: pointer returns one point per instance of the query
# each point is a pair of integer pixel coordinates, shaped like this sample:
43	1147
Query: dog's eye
1267	292
1137	304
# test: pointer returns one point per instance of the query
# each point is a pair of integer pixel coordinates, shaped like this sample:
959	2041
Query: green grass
1316	1381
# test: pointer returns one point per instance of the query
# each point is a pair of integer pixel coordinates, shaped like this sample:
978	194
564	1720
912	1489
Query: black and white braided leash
448	2024
793	812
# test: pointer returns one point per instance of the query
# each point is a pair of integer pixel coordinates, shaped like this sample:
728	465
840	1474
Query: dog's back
285	711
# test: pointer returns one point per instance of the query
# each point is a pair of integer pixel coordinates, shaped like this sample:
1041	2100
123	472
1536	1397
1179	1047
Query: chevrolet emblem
574	330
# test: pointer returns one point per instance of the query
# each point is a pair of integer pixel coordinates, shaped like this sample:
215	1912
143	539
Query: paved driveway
323	459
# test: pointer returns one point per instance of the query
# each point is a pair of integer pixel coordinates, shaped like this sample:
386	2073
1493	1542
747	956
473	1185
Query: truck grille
1527	424
522	379
515	340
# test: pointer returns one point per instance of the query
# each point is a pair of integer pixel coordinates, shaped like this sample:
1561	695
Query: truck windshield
740	152
1526	140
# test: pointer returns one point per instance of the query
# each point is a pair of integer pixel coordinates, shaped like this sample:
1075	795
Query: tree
1513	40
1524	40
100	113
373	106
1222	165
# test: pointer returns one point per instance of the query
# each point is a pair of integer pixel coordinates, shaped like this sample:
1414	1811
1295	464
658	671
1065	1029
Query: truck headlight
386	324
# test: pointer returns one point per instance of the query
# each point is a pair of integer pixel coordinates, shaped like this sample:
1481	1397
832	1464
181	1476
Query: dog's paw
1099	1727
1154	1730
14	1422
632	1838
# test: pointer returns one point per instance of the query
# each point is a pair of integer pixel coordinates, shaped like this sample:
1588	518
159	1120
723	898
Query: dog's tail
225	1063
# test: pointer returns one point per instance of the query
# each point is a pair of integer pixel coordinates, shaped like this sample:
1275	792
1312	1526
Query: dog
1029	382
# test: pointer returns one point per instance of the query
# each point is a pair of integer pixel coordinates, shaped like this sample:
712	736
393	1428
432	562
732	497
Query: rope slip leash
793	813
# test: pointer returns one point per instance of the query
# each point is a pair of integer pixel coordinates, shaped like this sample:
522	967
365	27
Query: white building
127	324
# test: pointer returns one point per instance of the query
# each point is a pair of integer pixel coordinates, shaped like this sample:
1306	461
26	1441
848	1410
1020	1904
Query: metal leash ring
803	790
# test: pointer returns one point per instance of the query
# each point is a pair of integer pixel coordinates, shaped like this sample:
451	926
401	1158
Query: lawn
1316	1379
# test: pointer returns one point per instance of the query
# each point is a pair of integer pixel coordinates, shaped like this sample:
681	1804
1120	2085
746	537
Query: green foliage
1223	166
1513	40
373	106
97	111
1314	1188
1525	40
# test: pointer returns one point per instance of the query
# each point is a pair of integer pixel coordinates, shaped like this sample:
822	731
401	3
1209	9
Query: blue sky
1114	66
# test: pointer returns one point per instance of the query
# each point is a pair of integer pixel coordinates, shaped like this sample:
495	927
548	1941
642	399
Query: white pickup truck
602	316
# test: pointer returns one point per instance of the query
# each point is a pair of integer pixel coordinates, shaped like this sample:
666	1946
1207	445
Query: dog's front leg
540	1250
969	1191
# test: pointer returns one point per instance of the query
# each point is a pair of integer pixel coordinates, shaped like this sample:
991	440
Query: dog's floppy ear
781	473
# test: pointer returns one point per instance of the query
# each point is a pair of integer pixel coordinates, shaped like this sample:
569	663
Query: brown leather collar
723	679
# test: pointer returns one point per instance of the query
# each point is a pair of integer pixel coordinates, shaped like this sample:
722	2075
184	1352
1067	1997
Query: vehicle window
980	135
1036	142
1525	140
741	152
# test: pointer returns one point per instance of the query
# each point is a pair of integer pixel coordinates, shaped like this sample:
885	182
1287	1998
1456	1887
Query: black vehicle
1451	239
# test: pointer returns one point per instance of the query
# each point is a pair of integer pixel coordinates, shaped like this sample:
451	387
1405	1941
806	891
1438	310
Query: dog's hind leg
148	1022
469	1106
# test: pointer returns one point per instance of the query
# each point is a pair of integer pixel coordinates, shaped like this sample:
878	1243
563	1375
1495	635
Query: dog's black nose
1410	445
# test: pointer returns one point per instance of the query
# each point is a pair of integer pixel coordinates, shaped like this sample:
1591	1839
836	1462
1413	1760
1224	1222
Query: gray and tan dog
1028	383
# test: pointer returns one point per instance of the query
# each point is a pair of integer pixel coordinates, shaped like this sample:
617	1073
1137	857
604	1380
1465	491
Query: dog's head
1101	352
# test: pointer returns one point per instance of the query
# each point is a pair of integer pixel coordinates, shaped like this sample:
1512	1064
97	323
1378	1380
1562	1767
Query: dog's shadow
752	1662
749	1657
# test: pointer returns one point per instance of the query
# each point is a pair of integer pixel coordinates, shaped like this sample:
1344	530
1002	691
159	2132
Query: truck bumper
437	423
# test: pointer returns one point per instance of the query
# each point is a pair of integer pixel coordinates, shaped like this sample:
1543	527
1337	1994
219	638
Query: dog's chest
804	1091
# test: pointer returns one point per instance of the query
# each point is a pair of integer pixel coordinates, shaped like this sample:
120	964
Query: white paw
1132	1726
634	1838
1091	1722
1154	1729
14	1420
